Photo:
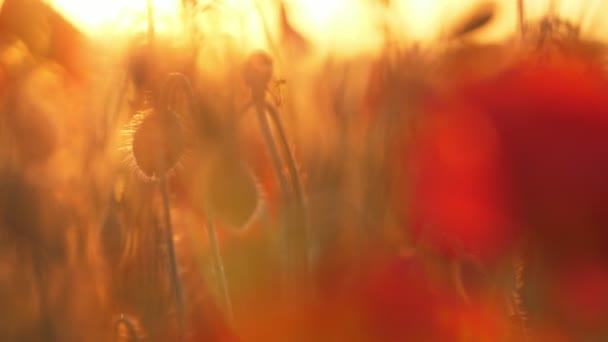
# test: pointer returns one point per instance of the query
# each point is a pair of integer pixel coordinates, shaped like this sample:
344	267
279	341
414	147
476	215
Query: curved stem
286	253
291	164
274	153
173	267
219	266
295	182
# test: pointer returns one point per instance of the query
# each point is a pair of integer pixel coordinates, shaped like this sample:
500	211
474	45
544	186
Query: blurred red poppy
392	299
526	149
459	205
580	295
400	302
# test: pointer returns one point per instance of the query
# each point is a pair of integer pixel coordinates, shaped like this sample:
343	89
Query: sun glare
339	26
103	16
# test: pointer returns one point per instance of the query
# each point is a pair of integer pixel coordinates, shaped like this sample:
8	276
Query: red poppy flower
459	203
391	299
580	296
400	302
525	149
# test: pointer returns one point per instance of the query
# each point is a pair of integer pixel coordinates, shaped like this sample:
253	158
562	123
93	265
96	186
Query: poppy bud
157	144
257	72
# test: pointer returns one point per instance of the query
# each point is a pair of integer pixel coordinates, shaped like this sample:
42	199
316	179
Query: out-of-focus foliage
176	185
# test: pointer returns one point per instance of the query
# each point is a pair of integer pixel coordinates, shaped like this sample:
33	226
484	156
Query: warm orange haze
299	170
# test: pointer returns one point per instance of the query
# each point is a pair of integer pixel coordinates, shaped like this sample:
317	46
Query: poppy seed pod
257	72
157	144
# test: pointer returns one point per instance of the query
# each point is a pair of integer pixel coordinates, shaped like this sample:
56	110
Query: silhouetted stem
173	81
276	160
295	179
219	266
173	268
291	164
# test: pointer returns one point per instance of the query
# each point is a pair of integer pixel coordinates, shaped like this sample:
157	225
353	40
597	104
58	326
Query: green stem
293	170
219	266
173	267
276	160
295	180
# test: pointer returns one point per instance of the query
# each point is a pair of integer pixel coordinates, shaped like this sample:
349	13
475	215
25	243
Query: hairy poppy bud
257	72
157	144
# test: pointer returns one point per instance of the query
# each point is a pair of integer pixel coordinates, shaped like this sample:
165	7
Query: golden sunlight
303	170
249	22
111	16
419	19
336	26
342	26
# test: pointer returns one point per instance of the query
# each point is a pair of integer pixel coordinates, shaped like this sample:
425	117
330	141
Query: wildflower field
293	170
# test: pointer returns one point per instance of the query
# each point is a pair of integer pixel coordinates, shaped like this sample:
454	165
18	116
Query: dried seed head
257	71
555	39
157	144
557	28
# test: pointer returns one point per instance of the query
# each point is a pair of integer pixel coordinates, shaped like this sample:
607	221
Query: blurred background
299	170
